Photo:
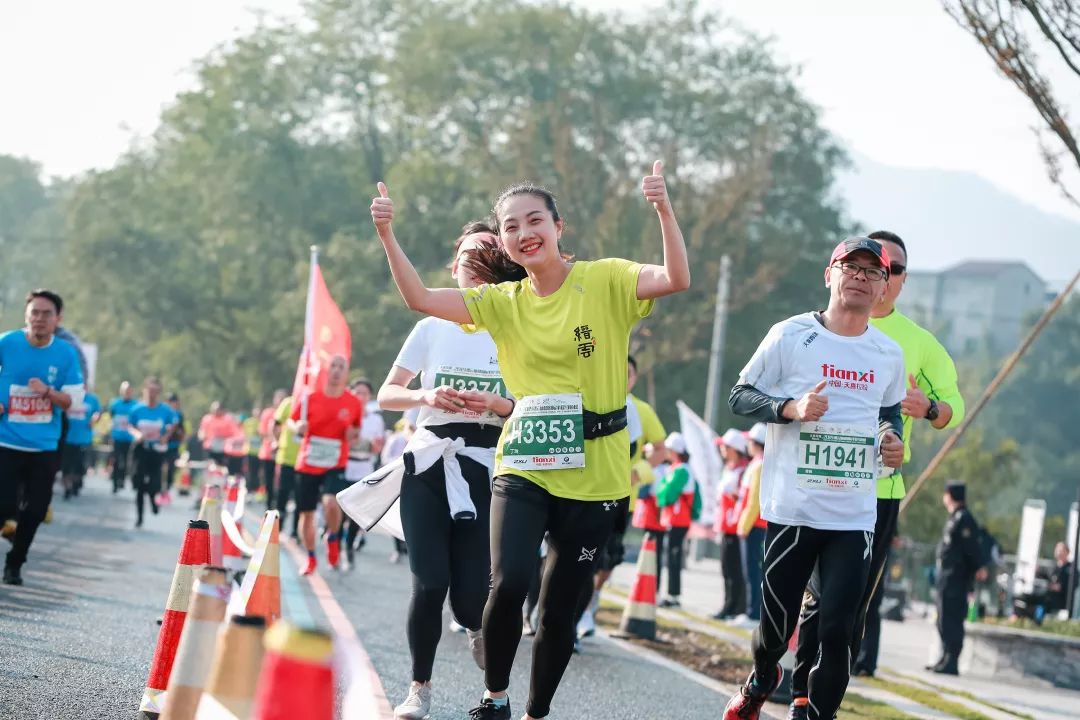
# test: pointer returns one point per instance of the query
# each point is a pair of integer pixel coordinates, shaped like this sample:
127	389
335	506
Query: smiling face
528	231
854	293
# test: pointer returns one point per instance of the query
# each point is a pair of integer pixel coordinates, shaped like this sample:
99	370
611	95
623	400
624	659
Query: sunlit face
338	370
151	391
854	293
895	283
41	317
528	231
362	392
216	409
464	278
125	390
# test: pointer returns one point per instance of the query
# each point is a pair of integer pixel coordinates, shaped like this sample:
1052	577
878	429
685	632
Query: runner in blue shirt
119	410
39	379
151	425
79	441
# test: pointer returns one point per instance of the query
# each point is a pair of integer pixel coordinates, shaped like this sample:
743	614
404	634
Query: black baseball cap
857	242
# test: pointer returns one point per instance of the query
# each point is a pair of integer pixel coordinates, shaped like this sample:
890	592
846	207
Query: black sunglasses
897	269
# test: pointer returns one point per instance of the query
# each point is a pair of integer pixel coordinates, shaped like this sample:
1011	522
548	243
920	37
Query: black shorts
309	488
235	464
218	457
73	460
615	551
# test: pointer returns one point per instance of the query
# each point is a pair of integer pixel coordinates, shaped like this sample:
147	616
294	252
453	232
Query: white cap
675	441
735	440
757	433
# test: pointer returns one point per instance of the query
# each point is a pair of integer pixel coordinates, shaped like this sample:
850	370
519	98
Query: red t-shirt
324	446
216	430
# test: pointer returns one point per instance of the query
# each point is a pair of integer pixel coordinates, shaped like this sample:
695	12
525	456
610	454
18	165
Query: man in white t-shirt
829	385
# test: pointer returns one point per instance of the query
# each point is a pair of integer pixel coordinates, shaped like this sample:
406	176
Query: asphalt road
76	640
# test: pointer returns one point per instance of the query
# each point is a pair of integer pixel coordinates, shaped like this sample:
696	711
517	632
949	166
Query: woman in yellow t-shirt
563	459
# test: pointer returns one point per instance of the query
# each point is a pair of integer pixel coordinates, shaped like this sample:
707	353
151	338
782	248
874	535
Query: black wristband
933	412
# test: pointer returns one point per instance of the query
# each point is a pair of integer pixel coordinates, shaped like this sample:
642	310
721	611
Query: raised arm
674	275
445	303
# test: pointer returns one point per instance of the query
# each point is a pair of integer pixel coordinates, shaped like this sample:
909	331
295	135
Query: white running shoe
417	706
455	627
476	645
586	627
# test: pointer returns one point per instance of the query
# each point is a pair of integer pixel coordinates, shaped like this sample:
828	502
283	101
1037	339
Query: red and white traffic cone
194	555
297	680
261	591
639	616
234	674
210	511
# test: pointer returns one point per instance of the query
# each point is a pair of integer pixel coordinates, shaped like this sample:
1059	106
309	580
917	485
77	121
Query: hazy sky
896	79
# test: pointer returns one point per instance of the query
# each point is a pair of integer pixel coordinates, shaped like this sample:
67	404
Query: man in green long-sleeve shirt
933	398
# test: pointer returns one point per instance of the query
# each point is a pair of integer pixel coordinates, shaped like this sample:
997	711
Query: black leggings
809	634
446	555
147	478
843	559
521	512
731	568
121	452
676	540
286	487
26	482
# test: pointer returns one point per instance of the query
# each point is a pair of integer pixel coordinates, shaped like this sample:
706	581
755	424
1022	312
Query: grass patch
711	622
857	706
1066	628
965	694
929	698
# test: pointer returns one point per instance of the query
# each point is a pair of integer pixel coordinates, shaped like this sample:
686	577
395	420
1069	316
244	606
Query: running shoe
12	575
586	626
476	646
670	602
417	705
333	552
350	553
8	531
309	569
746	704
800	709
527	628
488	710
395	557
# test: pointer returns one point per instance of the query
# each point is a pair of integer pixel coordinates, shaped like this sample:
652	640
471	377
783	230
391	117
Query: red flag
325	334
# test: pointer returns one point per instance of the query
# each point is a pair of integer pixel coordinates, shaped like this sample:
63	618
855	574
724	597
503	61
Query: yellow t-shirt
288	445
573	341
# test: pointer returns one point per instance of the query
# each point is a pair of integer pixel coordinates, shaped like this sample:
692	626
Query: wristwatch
933	411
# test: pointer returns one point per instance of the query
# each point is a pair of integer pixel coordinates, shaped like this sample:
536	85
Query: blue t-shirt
119	410
152	423
79	419
31	422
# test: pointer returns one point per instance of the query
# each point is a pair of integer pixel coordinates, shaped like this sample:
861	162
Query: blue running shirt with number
119	410
806	479
152	422
444	354
31	422
79	417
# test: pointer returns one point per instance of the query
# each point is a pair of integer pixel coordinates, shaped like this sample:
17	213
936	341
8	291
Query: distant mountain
946	217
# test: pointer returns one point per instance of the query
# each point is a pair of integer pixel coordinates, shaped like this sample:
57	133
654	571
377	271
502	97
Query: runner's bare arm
396	395
673	276
445	303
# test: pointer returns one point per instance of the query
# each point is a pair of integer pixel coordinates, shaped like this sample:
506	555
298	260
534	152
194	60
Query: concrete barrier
998	652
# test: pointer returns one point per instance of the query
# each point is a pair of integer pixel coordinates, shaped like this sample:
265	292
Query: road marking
366	687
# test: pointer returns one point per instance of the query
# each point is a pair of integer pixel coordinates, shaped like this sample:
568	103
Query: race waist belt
598	425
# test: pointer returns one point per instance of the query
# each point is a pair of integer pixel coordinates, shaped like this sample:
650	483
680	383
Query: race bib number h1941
834	457
547	432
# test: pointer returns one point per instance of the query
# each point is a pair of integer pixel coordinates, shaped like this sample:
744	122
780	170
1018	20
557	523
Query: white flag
705	463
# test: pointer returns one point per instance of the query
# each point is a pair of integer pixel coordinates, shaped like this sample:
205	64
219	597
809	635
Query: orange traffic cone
194	554
191	668
234	674
184	485
297	680
261	591
210	511
639	617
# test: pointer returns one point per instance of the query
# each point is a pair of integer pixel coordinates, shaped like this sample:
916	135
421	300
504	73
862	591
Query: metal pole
716	351
1070	599
989	392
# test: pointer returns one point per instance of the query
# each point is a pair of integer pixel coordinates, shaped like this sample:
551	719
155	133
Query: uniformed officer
959	561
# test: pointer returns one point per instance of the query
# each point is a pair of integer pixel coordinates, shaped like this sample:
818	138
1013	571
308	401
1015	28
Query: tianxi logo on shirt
848	379
586	343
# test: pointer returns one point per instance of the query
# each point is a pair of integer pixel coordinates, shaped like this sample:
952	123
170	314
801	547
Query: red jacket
727	519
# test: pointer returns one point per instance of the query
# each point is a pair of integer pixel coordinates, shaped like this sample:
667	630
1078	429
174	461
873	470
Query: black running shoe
488	710
12	575
799	710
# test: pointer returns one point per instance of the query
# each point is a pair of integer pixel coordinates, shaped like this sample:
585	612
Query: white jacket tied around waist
374	500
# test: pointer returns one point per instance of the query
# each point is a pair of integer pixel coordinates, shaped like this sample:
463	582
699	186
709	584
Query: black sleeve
889	418
969	540
748	401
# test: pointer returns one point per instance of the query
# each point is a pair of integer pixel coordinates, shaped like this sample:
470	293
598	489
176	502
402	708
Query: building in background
982	304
